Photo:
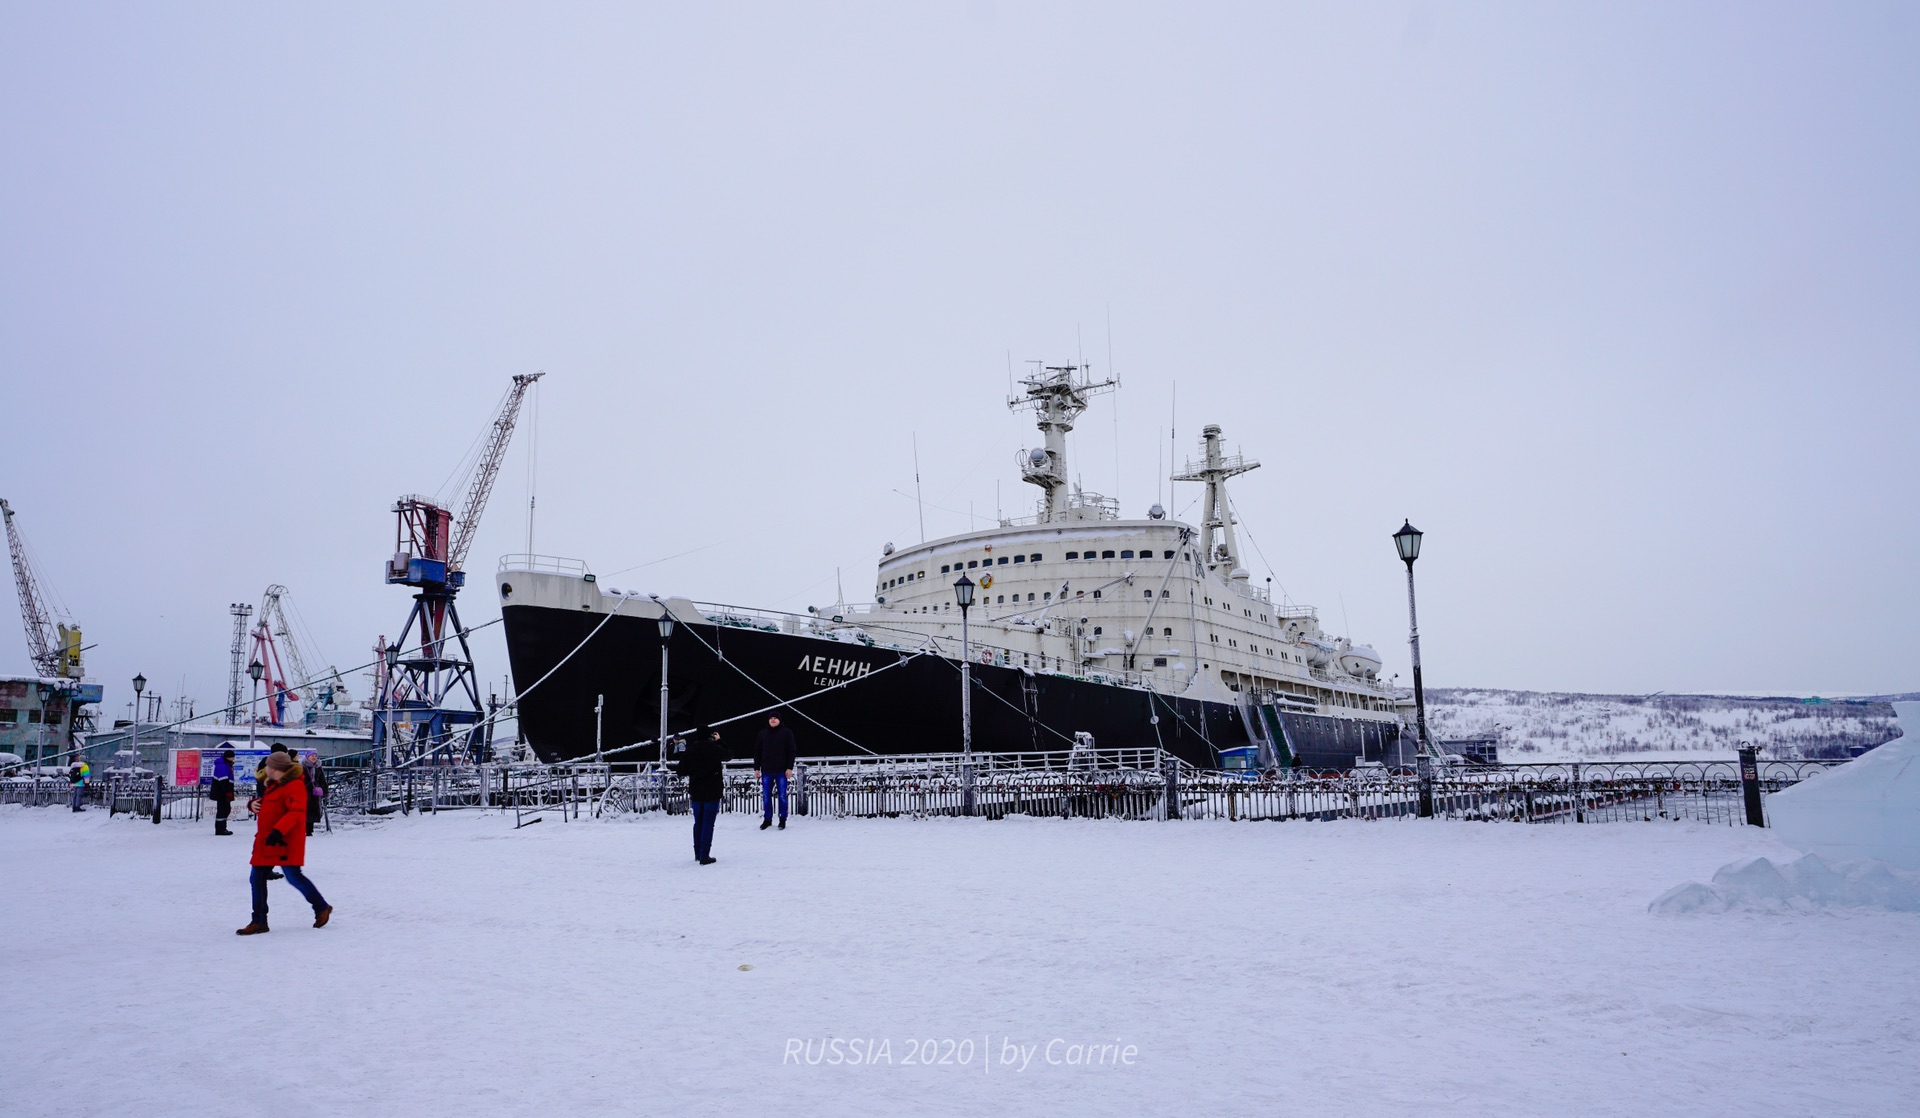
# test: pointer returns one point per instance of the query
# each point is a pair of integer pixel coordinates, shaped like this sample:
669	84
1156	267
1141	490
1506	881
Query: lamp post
963	597
139	686
256	670
665	621
46	692
387	696
1407	541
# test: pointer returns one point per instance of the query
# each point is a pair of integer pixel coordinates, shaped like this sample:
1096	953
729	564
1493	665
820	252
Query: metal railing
1072	783
543	564
119	792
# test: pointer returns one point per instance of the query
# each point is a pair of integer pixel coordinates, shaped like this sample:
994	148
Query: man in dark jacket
221	791
702	765
773	757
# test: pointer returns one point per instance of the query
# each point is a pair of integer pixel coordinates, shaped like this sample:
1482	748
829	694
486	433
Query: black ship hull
891	702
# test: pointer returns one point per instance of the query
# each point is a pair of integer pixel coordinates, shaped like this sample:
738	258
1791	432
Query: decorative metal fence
1574	792
1078	783
119	792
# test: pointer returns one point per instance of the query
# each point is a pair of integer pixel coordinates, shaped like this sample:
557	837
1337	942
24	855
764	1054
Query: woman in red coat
281	841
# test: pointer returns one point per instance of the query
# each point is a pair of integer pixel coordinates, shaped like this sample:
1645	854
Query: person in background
260	768
773	757
281	840
77	776
702	764
221	791
316	788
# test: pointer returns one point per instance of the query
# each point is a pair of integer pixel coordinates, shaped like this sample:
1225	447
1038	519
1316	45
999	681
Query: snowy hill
1553	726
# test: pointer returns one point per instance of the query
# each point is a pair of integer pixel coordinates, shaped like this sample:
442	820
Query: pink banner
186	767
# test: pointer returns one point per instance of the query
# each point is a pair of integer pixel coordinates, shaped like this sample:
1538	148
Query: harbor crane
429	700
278	650
54	646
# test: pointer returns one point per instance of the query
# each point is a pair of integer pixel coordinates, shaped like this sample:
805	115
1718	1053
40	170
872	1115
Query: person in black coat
221	791
702	764
773	757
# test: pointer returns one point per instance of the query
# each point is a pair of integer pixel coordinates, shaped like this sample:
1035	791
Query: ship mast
1057	394
1214	469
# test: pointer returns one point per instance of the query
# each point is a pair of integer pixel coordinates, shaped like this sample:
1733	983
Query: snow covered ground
1399	967
1557	726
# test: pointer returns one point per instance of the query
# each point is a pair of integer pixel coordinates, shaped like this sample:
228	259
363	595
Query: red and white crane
429	699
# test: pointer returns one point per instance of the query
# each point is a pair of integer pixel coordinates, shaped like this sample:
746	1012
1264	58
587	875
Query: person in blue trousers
221	791
77	776
702	764
773	758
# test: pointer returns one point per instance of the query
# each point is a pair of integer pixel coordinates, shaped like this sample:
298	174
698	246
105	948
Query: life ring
986	657
986	582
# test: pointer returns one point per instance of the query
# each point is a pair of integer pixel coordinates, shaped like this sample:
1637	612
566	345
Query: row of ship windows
949	568
1048	597
1255	649
1108	555
30	717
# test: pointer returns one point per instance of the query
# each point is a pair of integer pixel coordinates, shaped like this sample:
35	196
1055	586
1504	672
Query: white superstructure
1076	590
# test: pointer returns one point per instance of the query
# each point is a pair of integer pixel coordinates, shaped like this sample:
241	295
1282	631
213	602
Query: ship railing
989	655
544	564
776	621
1102	508
1377	686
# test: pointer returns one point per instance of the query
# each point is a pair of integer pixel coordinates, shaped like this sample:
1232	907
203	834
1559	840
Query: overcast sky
1619	303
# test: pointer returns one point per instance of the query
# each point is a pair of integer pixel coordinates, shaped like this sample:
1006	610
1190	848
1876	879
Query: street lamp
46	692
665	621
256	670
139	686
963	597
1407	542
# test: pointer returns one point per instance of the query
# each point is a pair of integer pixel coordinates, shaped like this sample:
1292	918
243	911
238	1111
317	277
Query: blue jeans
295	878
767	783
79	793
704	813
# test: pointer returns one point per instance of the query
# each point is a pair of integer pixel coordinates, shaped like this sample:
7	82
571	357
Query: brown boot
253	929
321	916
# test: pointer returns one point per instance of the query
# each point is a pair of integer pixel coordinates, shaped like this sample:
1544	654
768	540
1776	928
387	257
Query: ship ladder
1283	754
1030	705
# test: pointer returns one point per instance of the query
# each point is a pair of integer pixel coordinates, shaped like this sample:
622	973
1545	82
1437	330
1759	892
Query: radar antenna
1058	394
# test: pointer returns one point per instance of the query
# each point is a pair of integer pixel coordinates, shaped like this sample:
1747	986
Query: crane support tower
237	662
429	700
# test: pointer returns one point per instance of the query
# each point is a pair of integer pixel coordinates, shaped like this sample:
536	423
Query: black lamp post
139	687
389	690
963	597
1407	541
255	670
665	621
46	691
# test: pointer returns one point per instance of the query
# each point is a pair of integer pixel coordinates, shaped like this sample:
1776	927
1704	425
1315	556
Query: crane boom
41	643
273	614
487	471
